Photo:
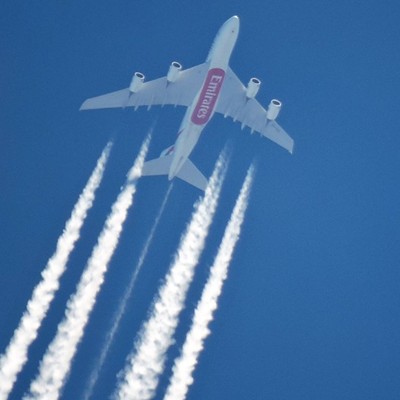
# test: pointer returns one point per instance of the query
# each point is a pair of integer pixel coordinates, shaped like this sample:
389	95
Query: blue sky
311	306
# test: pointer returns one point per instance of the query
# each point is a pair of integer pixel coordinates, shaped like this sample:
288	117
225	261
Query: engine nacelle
173	72
137	82
273	109
252	88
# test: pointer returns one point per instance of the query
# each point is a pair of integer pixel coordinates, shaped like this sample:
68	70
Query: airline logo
208	96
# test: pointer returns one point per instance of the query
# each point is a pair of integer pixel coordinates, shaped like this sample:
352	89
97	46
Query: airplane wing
155	92
234	103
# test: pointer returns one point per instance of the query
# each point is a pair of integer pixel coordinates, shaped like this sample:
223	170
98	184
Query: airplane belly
203	106
184	146
207	99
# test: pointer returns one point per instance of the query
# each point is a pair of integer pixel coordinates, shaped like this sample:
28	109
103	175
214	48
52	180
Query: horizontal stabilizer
192	175
158	166
188	173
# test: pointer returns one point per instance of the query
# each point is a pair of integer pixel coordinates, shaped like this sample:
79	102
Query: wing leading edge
249	112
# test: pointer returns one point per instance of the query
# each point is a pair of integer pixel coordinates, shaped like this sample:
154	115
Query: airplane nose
234	23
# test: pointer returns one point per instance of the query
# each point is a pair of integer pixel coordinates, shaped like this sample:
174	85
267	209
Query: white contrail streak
184	366
123	302
146	363
15	355
56	362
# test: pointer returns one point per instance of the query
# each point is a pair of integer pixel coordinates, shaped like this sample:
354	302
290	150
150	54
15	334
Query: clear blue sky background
311	306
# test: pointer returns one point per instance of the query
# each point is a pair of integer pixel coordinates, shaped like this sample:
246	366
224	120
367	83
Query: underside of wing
234	103
159	91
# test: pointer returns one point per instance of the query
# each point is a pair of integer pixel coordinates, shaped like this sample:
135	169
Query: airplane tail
188	173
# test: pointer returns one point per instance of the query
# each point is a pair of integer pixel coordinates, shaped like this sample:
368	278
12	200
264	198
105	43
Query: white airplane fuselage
204	89
199	113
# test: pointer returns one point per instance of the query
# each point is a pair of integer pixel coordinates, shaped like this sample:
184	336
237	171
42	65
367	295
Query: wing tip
291	148
85	105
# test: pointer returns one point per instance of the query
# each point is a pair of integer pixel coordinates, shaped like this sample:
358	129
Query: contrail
184	366
123	302
15	355
56	362
146	363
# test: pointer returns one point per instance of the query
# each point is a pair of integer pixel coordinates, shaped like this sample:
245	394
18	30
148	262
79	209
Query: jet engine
273	109
173	71
137	82
252	88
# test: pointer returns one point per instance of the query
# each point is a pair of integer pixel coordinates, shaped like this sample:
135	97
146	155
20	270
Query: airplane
204	89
